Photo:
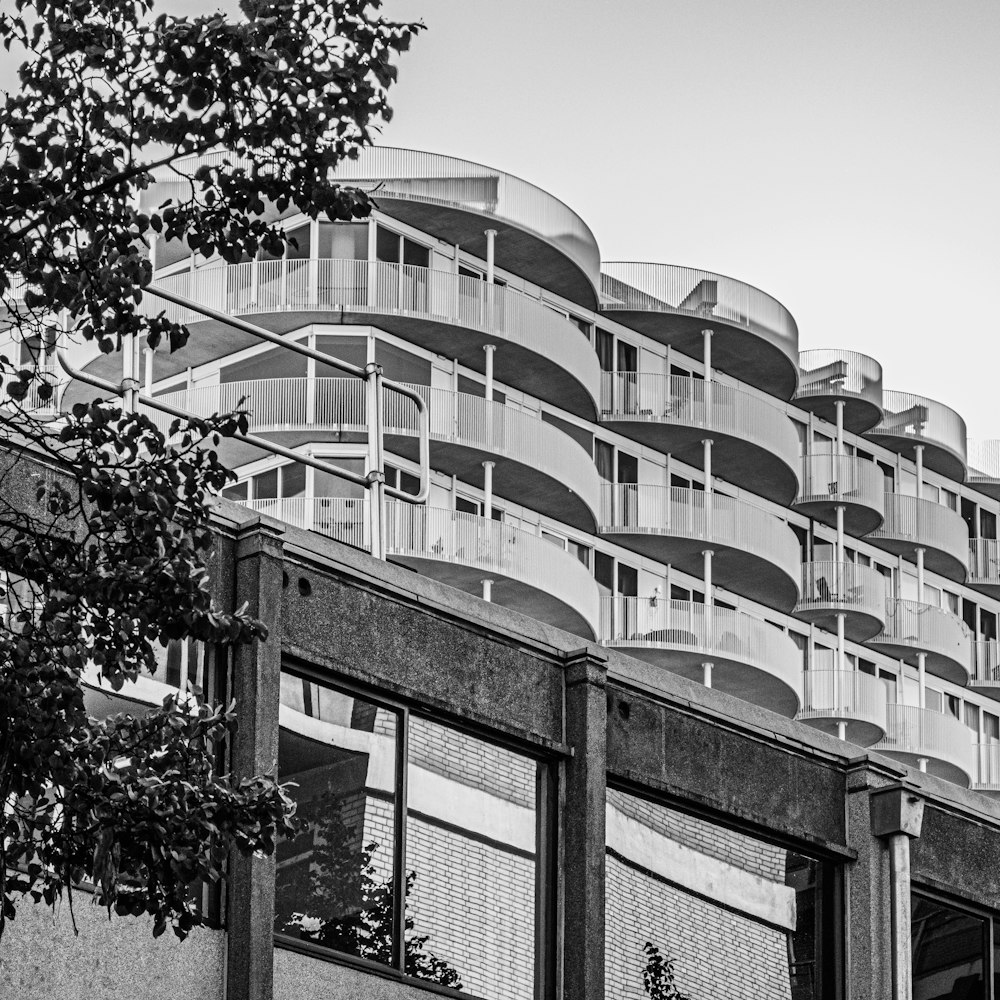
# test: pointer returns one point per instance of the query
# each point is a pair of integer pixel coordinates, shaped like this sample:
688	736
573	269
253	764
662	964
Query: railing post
375	474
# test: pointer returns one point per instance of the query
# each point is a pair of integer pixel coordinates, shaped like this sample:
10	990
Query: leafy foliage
658	977
104	515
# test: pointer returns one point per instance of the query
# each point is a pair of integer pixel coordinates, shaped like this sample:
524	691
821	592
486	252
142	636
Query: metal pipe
899	883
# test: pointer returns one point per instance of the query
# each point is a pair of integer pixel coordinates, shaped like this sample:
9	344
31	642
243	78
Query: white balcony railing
920	732
987	767
679	399
984	561
847	695
926	628
842	479
924	523
842	587
985	664
336	517
920	420
840	374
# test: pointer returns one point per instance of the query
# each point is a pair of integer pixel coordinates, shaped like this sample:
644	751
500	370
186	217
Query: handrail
843	694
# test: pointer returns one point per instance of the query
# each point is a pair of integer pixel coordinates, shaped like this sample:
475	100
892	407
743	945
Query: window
463	827
948	950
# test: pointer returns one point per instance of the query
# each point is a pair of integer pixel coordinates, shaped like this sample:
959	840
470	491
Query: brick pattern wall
737	849
720	955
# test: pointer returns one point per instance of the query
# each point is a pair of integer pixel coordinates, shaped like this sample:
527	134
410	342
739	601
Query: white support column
707	463
707	359
922	679
839	404
920	574
488	490
919	453
491	235
490	349
709	615
148	380
487	590
454	398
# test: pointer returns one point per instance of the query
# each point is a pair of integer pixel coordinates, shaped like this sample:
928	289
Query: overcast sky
842	155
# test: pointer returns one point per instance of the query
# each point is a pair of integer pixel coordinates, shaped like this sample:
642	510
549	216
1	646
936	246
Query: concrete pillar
582	825
919	455
839	405
490	349
487	590
256	688
491	235
488	489
922	680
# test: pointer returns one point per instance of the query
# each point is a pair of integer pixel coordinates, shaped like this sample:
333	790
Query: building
736	683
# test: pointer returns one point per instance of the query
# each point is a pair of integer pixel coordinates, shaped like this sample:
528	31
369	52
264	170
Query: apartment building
726	676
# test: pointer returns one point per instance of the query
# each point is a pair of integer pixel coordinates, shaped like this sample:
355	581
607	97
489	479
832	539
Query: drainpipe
896	816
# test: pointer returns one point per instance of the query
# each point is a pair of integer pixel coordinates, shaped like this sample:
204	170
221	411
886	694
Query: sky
842	155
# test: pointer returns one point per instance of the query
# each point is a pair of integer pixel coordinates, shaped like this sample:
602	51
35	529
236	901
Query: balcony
754	337
754	444
750	659
941	532
538	350
916	420
857	592
915	734
829	377
536	464
529	574
984	467
984	566
848	699
987	779
832	481
913	627
538	236
756	555
985	668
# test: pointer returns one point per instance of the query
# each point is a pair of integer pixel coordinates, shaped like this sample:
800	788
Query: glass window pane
471	863
334	882
948	951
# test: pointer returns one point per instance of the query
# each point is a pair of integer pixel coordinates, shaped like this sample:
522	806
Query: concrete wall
117	959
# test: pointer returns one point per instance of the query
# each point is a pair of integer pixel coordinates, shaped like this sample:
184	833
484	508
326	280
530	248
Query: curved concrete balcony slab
912	421
828	378
848	699
528	573
755	338
984	467
912	524
915	735
835	480
750	659
535	463
984	566
831	588
538	236
754	444
755	554
985	668
987	777
538	350
912	628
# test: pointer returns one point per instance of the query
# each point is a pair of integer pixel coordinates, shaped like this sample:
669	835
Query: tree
103	554
658	977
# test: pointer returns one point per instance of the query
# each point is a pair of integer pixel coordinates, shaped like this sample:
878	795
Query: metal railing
926	629
985	663
842	586
984	460
921	732
843	694
494	548
923	421
839	478
847	374
638	286
431	178
680	399
685	513
984	560
924	523
342	518
987	767
377	288
643	622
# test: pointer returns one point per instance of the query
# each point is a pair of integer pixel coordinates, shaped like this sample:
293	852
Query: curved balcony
911	524
535	463
985	667
857	592
538	236
754	444
755	338
987	778
915	734
848	699
538	350
912	627
529	574
831	377
984	566
756	554
832	481
750	659
912	420
984	467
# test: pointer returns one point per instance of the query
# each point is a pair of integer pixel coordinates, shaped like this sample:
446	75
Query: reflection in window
469	842
948	952
739	917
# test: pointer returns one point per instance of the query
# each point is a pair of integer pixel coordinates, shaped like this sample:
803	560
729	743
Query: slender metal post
919	455
488	489
487	590
709	615
491	235
490	349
